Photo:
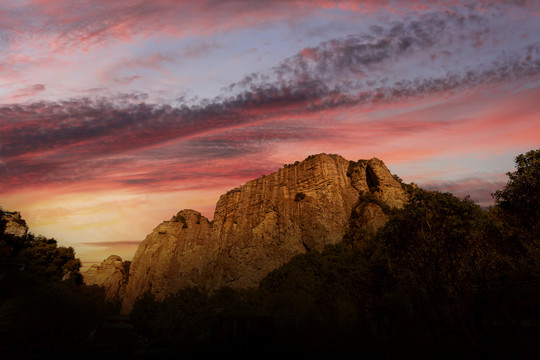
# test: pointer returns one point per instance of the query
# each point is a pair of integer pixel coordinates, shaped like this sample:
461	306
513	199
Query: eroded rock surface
263	224
112	274
170	258
267	221
13	224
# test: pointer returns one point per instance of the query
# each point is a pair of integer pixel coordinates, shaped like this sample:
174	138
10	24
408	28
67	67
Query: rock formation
263	224
171	257
13	224
112	274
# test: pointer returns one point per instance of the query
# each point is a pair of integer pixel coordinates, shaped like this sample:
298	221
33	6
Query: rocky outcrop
260	226
373	177
263	224
112	274
171	257
13	224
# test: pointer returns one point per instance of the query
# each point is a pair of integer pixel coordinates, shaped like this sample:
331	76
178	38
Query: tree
520	198
452	265
44	257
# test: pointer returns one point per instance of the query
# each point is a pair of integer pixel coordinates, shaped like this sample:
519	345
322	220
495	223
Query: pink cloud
27	92
99	22
50	141
44	141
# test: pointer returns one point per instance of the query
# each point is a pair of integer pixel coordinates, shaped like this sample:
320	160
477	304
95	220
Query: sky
115	115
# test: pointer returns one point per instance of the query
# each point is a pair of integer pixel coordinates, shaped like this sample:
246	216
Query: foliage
452	264
41	319
442	279
177	318
45	310
45	258
408	188
518	203
441	240
521	195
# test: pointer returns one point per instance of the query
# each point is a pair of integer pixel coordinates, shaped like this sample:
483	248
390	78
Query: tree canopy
45	310
519	200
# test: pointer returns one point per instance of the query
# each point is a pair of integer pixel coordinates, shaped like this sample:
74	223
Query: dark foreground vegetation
443	279
45	310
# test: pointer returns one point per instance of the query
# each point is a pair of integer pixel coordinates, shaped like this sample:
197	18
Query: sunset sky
115	115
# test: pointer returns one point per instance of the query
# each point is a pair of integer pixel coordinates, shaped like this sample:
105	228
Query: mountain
261	225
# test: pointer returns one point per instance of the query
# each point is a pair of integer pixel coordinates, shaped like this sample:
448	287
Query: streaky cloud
113	244
55	137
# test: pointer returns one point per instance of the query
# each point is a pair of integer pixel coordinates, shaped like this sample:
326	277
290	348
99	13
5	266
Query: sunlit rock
261	225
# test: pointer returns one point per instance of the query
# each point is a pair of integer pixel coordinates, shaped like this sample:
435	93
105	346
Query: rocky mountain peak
170	257
262	224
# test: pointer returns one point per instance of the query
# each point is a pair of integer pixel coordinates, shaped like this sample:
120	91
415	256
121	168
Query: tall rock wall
263	224
267	221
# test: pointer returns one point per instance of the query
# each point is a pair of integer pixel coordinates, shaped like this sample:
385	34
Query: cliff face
111	274
267	221
171	257
263	224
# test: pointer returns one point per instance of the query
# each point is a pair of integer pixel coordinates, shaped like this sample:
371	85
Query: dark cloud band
39	139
